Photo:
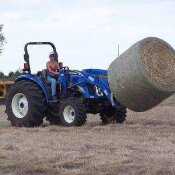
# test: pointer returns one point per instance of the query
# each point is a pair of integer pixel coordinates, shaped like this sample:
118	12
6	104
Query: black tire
79	111
120	114
106	119
36	104
113	115
52	115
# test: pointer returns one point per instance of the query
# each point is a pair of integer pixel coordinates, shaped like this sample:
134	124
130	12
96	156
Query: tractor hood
96	72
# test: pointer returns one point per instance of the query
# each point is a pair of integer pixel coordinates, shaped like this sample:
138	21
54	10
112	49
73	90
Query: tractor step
54	101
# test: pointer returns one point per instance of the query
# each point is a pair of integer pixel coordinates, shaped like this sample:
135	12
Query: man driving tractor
53	71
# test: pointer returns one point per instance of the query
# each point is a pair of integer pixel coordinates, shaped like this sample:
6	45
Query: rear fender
37	81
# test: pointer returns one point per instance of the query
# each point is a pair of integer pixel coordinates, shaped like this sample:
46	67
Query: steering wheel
65	68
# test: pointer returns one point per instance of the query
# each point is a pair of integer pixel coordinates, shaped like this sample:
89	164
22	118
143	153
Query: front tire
25	104
114	115
120	114
72	112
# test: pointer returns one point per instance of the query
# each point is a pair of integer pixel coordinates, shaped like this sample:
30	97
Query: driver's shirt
52	67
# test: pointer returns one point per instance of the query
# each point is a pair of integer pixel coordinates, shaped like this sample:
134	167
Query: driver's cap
52	54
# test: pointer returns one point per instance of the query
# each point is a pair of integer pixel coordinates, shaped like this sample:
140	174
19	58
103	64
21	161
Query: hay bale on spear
144	75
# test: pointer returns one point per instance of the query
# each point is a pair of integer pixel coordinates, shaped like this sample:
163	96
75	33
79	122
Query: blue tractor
79	93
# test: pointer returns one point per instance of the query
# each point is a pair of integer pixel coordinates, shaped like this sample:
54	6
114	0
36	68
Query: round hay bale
144	75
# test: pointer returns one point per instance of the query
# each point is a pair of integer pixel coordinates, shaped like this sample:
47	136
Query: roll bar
26	53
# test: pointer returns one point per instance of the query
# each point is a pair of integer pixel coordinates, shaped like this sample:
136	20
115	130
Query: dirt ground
145	144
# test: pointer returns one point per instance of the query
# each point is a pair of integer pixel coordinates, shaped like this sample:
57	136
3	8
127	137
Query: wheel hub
19	105
69	114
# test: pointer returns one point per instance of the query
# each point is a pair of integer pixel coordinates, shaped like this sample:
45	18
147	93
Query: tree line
11	75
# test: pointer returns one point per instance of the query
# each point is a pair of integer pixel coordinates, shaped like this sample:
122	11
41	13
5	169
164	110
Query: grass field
145	144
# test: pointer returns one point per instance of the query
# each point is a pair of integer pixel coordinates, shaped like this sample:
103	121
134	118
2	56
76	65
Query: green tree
13	75
2	75
2	38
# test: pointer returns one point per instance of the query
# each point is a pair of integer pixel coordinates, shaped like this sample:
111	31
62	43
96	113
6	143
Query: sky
86	33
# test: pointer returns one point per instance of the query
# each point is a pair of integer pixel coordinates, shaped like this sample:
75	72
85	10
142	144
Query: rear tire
25	104
72	112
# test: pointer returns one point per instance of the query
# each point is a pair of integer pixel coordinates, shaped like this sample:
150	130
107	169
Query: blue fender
85	92
37	81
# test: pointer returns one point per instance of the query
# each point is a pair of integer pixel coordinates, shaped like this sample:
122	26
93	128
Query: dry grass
145	144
